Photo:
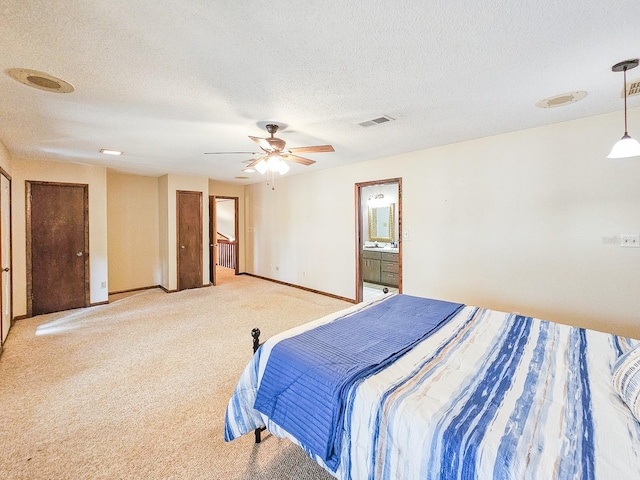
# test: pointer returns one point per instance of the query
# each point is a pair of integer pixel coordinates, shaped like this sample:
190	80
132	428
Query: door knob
79	254
181	246
5	269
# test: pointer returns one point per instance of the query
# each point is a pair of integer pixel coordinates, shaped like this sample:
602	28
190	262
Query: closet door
189	223
57	247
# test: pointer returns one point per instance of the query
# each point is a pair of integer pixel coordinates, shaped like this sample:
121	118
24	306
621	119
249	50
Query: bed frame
255	333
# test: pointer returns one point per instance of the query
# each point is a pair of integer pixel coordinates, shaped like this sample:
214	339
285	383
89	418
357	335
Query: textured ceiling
167	81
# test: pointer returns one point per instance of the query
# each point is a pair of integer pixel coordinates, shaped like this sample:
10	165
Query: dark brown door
189	239
58	241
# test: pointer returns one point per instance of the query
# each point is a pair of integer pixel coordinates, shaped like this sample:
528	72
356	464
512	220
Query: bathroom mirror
381	224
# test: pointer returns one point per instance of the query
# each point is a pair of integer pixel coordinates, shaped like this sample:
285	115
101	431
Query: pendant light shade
627	146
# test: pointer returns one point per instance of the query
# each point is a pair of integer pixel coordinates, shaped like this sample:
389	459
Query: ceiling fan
274	152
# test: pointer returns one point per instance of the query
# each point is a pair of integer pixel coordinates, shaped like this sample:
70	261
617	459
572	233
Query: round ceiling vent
562	99
41	80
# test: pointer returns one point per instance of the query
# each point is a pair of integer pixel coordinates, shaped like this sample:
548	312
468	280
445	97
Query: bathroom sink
381	249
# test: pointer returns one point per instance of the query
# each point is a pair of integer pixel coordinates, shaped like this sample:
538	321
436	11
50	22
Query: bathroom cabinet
380	267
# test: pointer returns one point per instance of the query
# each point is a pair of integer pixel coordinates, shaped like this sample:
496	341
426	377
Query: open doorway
378	239
223	238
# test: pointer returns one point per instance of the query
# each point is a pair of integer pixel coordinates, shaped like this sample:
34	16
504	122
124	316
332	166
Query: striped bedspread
303	388
489	395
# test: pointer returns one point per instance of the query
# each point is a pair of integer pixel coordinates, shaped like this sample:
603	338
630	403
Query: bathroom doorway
378	238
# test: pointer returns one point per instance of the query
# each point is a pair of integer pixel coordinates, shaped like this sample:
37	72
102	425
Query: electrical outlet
627	240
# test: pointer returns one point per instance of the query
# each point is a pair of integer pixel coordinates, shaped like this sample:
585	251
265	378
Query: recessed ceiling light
241	178
106	151
40	80
562	99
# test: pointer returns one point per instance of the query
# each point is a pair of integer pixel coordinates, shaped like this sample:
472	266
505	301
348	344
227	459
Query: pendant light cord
625	100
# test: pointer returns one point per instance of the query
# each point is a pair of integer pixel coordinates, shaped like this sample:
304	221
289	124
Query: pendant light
627	146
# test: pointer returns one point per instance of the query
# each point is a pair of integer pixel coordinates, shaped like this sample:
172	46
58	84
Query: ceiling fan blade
266	146
255	162
316	149
297	159
231	153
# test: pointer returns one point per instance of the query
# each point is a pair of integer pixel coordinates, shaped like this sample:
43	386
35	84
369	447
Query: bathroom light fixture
377	200
627	146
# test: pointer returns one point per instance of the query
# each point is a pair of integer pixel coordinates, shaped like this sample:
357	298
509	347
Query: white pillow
626	379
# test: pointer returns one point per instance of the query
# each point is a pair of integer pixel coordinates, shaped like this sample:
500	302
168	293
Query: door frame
359	233
213	229
5	174
178	193
87	279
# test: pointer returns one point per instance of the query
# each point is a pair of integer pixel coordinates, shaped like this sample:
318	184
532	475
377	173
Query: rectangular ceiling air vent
633	88
376	121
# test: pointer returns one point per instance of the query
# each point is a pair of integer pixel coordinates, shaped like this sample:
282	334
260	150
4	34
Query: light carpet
137	389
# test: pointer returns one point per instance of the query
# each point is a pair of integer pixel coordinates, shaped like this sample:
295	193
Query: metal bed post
255	333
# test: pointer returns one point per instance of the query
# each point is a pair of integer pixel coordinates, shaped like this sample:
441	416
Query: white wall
226	218
5	158
37	170
518	222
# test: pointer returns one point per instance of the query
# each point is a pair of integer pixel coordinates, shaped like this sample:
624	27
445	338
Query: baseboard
151	287
166	290
99	303
338	297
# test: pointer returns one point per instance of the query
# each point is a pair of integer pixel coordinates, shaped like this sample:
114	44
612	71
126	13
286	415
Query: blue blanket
307	377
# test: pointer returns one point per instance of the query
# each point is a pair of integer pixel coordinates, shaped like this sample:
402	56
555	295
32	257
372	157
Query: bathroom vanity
380	265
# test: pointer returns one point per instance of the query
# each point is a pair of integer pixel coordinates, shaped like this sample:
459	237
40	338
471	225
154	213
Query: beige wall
132	231
518	222
167	187
5	158
232	190
37	170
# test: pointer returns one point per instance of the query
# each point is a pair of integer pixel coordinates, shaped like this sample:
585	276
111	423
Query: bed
482	394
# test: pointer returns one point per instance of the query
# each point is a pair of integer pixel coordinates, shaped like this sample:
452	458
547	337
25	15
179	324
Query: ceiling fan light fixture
261	167
627	146
274	163
284	167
